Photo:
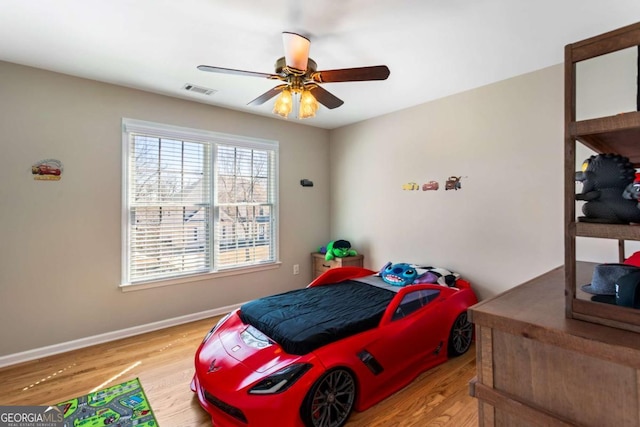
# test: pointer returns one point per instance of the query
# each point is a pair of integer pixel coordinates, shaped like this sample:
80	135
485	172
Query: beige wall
504	226
60	252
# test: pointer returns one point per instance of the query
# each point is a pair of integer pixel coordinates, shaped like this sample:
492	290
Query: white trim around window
196	203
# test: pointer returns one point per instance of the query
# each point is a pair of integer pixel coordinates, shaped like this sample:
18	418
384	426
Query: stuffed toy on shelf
632	192
605	178
338	249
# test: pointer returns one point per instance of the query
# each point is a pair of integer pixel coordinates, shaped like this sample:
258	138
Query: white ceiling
433	48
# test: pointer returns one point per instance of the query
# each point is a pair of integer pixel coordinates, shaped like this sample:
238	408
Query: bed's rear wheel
461	336
330	400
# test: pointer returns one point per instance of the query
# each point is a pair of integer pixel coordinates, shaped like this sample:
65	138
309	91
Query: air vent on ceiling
199	89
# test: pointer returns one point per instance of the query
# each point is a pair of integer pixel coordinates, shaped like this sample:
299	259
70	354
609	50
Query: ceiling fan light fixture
284	103
300	79
296	48
308	105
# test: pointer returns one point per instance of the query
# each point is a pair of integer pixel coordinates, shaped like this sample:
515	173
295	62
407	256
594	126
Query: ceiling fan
300	77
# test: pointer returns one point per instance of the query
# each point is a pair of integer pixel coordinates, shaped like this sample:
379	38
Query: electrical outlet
296	268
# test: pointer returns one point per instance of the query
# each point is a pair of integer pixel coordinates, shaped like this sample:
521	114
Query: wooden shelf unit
618	134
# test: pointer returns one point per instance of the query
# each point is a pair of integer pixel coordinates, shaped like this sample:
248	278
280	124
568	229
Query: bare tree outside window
243	177
196	206
170	207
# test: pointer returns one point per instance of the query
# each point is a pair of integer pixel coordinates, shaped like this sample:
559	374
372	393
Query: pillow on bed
429	274
438	275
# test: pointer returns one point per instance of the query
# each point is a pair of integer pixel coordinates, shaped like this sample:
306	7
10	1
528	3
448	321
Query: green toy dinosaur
339	249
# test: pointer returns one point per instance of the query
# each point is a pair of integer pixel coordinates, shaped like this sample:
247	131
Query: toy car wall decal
47	170
309	357
453	183
411	186
431	185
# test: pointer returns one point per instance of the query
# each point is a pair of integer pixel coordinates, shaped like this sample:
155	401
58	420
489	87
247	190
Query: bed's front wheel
330	400
461	336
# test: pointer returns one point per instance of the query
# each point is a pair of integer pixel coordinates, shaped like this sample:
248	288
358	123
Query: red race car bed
309	357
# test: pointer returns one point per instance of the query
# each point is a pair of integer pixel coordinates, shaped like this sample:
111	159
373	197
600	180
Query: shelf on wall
607	231
618	134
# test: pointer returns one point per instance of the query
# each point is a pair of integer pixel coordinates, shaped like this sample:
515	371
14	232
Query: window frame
423	297
214	139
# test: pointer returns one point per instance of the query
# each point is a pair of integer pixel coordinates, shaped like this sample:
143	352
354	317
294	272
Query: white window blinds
196	202
245	205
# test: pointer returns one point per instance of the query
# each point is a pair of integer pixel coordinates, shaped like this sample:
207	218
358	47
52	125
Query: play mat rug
123	405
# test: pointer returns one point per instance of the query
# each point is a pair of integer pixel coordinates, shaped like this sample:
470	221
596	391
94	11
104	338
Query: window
195	202
413	301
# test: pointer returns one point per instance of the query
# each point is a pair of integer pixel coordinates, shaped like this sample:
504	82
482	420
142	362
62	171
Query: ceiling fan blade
221	70
378	72
267	95
296	51
325	97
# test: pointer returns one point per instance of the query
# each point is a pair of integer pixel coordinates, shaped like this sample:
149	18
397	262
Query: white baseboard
50	350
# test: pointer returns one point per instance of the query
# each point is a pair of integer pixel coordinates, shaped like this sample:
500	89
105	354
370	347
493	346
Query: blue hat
605	277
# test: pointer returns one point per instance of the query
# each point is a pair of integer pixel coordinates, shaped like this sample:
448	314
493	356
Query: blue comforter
306	319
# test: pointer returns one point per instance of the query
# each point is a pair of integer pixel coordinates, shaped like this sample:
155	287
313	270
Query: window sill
129	287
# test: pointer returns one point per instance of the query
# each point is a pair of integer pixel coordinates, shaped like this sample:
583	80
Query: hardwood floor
163	360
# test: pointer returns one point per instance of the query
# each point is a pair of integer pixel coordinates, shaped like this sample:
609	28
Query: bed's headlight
281	380
254	338
215	328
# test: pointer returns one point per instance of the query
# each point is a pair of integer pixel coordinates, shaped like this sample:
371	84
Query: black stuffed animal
604	178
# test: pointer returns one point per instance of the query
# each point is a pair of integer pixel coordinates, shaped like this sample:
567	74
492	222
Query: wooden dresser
320	265
535	367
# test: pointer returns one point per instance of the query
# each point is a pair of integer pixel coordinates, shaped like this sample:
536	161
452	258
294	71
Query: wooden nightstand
320	265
